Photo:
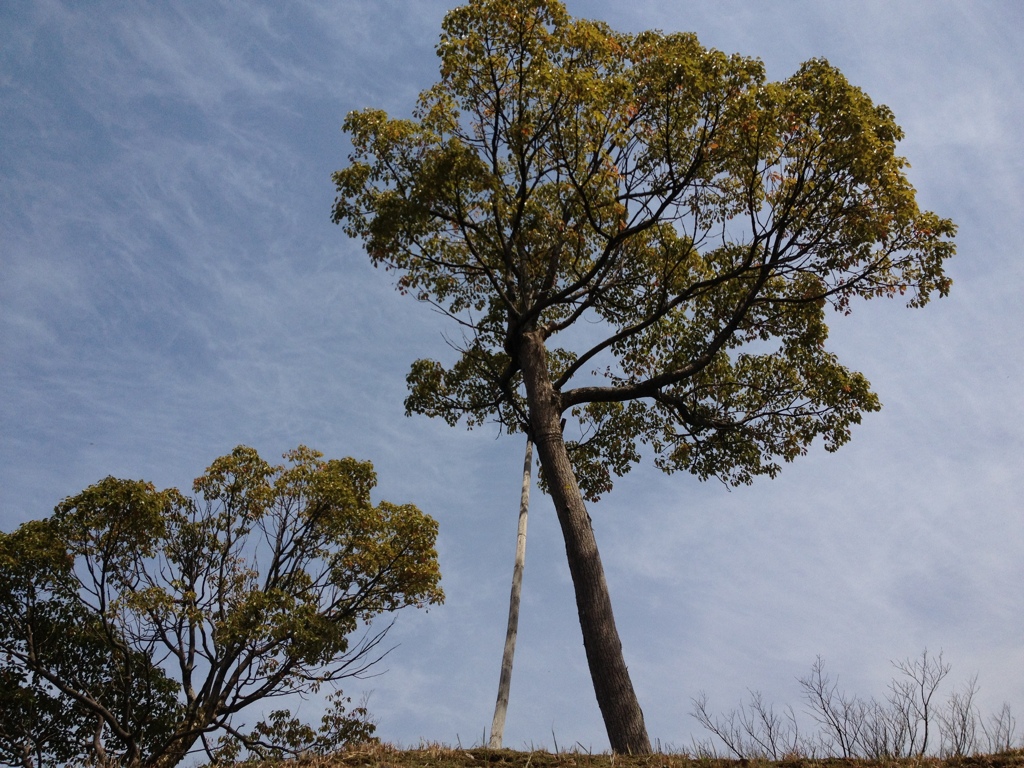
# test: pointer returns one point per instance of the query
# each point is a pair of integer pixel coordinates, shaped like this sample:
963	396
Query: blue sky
171	286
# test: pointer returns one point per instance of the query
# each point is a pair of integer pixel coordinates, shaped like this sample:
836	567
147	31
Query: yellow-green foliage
701	219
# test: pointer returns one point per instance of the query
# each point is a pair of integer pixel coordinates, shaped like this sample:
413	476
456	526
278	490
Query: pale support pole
505	681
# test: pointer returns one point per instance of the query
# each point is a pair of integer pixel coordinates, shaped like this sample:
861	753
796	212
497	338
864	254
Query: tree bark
623	718
505	680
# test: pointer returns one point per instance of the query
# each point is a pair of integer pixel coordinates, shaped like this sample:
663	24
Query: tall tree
136	625
643	236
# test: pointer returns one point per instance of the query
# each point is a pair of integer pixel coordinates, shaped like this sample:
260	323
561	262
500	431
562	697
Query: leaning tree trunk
505	680
620	708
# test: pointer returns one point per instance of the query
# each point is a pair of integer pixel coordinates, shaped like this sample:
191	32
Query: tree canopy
643	236
136	624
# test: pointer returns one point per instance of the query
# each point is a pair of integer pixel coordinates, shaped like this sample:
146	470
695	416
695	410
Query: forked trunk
620	709
505	680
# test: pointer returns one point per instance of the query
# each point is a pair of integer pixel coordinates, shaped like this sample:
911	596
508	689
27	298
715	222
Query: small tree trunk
26	756
505	681
623	718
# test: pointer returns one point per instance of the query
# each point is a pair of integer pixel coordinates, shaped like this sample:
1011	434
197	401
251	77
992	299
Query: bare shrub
841	717
752	731
884	734
958	722
1000	730
910	722
912	694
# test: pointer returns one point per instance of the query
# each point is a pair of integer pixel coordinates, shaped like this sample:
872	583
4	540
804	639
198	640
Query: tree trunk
623	717
505	681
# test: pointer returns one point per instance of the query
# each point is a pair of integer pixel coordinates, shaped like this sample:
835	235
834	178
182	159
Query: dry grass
437	756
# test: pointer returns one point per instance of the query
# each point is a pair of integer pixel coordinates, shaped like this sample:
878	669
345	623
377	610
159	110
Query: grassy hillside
384	756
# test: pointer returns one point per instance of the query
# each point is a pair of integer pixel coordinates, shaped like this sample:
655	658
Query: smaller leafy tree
136	625
43	625
68	676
